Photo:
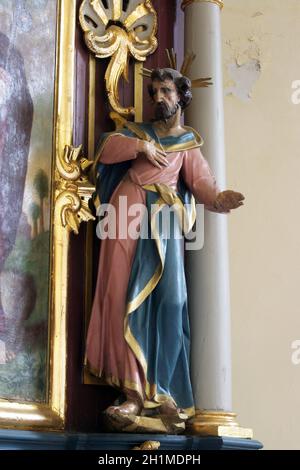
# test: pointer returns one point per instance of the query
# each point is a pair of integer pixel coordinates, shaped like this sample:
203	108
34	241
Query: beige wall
262	57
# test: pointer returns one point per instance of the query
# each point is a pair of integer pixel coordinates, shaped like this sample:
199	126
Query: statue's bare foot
169	408
129	407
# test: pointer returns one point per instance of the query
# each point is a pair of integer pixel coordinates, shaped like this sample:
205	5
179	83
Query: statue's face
166	99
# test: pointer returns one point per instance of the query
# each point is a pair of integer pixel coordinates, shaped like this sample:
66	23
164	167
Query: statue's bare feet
129	407
169	408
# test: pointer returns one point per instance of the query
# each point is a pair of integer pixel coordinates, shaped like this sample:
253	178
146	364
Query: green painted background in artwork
24	377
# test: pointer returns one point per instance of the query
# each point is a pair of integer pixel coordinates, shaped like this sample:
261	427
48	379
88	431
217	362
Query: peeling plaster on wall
244	64
244	49
245	76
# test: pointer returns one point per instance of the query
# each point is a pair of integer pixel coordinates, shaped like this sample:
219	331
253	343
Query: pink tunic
108	354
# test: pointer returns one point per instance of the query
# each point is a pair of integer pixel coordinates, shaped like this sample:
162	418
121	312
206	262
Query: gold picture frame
51	416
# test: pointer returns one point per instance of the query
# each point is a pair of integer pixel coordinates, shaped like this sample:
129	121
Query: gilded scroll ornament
118	29
148	445
74	189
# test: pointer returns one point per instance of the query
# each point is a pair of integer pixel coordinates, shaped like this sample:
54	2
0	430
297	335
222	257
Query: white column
207	270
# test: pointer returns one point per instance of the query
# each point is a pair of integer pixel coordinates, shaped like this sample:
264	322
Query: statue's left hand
228	200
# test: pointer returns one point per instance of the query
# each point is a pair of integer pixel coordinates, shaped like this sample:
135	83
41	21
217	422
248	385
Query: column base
217	423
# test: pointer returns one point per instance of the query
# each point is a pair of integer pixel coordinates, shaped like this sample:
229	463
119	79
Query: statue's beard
163	112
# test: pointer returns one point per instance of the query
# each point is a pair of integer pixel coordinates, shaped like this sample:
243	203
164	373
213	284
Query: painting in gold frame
50	413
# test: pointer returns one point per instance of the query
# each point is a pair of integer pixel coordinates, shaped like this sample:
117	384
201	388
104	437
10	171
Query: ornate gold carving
112	32
217	423
186	3
148	445
74	189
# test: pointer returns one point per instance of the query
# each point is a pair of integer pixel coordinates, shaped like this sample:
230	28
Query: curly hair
183	85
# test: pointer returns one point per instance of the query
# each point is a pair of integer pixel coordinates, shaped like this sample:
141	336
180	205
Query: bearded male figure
138	337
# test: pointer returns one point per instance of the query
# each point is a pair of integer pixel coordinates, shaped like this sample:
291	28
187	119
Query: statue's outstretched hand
228	200
156	156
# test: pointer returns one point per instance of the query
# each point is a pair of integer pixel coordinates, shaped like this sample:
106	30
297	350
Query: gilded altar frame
51	416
